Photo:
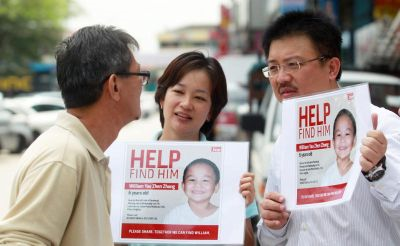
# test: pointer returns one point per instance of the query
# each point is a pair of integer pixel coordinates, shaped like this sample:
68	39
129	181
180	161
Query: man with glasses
61	194
303	54
144	74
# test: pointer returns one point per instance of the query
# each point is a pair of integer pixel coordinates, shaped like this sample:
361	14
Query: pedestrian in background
257	85
61	193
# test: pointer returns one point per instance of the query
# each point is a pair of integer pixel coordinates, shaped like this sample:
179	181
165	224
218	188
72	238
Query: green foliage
29	30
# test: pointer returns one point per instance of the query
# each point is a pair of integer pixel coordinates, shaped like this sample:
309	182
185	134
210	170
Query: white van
384	90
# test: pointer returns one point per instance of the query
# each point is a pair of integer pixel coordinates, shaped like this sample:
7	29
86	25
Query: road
141	130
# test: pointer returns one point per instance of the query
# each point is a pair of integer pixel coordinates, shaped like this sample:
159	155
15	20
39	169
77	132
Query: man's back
61	196
66	209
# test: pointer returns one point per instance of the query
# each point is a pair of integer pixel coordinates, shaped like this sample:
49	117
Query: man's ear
334	67
113	87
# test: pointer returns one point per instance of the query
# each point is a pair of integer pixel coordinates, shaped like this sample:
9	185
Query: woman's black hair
186	63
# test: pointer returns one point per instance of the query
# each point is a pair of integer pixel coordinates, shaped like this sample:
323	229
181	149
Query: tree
29	30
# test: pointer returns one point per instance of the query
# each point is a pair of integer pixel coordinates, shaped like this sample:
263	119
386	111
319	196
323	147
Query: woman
190	94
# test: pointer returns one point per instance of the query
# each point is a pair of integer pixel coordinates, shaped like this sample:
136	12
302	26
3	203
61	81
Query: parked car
34	113
14	136
384	91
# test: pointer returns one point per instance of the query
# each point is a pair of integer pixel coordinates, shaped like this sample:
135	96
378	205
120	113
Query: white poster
177	192
323	133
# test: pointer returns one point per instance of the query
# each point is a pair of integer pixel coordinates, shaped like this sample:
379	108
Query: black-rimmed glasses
290	66
144	74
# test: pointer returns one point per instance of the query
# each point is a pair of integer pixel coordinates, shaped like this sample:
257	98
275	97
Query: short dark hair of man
87	58
317	26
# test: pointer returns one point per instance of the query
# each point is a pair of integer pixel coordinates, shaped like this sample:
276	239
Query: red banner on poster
165	231
320	194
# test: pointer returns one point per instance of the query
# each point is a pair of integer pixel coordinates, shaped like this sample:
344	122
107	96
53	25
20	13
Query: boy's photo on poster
200	186
344	139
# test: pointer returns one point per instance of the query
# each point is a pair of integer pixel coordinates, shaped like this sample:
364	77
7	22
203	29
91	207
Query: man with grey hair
61	193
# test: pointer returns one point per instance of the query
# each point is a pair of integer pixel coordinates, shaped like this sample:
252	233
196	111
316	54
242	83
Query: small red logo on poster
350	96
216	149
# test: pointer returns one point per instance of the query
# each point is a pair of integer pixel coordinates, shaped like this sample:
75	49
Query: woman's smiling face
187	105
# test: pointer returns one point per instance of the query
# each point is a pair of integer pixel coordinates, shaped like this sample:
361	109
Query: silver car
14	136
25	117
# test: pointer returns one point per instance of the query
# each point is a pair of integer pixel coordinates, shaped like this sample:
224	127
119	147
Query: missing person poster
177	192
324	133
